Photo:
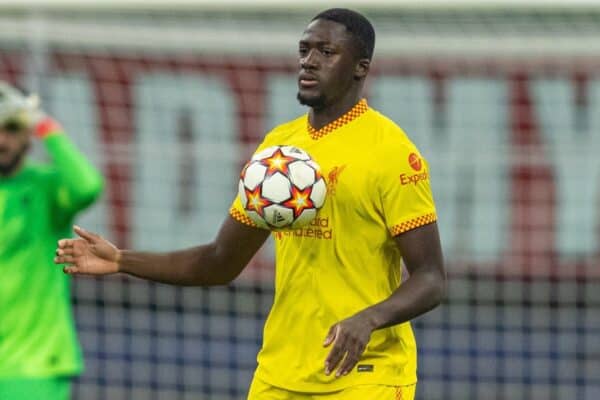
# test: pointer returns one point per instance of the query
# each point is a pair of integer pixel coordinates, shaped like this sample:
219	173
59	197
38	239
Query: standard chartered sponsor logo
317	229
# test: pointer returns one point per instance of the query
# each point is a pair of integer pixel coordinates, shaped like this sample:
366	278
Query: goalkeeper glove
24	110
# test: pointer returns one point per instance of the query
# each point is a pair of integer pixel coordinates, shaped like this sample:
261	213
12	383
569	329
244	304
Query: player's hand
349	338
90	255
41	123
24	110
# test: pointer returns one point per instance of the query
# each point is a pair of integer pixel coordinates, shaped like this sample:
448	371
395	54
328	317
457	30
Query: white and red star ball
282	187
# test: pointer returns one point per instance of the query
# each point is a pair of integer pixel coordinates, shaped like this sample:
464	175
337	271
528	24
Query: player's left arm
422	291
77	182
404	192
426	285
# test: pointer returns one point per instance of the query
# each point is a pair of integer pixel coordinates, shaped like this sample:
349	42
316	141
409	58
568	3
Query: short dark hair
357	24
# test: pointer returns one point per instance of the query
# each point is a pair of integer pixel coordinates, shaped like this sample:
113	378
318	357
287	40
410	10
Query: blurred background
170	98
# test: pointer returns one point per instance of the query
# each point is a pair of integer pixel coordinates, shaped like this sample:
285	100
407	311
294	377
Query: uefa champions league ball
282	187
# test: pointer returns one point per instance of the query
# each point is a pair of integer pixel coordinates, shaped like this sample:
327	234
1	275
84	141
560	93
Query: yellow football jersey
346	259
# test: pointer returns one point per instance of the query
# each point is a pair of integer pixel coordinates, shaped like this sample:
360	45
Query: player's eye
327	52
13	126
302	51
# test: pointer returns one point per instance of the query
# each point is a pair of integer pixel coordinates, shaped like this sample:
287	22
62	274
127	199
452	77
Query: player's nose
310	61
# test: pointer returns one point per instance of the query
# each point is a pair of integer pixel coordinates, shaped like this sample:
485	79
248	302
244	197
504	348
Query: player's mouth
307	81
6	158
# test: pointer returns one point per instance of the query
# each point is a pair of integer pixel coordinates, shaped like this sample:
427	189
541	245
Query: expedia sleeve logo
416	163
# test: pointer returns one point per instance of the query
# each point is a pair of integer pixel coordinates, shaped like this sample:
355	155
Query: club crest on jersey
333	178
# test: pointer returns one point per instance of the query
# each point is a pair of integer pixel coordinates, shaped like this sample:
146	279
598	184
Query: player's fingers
330	338
71	250
350	361
335	355
89	236
335	361
70	270
65	243
64	259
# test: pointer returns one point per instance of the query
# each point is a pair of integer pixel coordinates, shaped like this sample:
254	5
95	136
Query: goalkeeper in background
39	352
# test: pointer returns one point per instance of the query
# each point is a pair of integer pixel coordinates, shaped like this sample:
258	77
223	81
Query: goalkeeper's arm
214	263
78	182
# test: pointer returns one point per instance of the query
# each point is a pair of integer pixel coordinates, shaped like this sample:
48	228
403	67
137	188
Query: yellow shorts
260	390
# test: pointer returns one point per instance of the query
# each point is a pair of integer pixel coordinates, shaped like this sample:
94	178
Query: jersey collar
359	109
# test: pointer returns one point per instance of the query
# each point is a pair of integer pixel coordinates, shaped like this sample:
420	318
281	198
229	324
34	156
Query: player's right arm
214	263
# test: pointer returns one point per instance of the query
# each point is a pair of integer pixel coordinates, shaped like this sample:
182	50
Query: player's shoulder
39	172
284	133
387	134
287	128
395	148
42	176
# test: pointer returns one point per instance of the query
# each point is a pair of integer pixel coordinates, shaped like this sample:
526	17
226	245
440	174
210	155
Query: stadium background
169	99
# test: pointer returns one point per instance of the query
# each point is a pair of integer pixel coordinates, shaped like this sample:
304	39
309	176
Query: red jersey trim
241	217
413	223
359	109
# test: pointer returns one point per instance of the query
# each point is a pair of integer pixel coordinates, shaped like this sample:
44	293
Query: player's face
14	142
327	64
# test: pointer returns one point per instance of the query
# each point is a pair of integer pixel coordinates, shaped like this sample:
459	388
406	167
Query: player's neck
319	117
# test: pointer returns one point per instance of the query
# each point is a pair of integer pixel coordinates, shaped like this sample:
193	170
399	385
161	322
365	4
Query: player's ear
362	68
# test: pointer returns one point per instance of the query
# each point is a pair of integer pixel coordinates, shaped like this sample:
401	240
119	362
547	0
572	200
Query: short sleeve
405	189
238	213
